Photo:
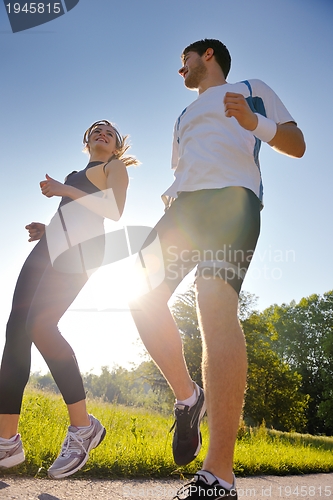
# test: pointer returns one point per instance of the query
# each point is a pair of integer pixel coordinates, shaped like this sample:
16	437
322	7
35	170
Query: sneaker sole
94	443
202	412
17	459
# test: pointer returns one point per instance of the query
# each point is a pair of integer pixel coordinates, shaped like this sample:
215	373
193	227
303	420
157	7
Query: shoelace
186	487
179	413
73	442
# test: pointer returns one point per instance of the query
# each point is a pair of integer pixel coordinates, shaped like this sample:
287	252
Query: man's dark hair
221	52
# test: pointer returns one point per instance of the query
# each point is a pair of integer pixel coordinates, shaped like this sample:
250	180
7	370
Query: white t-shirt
212	151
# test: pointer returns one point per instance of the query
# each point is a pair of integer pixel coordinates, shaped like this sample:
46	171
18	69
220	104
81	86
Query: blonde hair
122	144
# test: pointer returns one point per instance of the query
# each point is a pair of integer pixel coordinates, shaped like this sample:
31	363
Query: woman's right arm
36	230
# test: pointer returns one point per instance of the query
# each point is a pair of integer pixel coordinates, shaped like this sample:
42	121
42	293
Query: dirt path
307	487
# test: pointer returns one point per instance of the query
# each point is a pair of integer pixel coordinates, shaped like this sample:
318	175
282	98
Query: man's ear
209	54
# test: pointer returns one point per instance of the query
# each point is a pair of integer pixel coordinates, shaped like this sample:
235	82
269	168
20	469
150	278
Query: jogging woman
68	250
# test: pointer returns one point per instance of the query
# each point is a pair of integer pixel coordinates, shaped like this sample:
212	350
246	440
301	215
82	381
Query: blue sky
119	61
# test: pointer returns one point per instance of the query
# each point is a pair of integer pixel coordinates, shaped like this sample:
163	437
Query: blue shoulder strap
255	103
247	83
257	106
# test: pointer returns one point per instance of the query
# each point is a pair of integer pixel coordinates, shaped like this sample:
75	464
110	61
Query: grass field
138	444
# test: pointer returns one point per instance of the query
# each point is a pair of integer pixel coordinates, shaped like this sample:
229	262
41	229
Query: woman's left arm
111	206
116	185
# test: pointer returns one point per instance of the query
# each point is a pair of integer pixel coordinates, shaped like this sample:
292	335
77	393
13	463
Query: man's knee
154	298
216	299
214	287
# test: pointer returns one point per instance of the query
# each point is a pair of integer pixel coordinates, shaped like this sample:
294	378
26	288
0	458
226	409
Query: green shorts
214	230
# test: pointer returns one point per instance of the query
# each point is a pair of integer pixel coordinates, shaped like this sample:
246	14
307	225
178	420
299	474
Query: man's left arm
286	138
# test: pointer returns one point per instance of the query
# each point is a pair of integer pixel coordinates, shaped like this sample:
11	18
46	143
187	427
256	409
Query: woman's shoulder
114	165
72	173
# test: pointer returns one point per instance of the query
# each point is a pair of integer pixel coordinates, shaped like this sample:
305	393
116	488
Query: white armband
266	128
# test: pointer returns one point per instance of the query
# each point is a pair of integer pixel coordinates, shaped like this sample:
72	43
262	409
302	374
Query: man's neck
211	81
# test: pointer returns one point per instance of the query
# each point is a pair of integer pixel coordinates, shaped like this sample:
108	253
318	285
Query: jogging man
212	222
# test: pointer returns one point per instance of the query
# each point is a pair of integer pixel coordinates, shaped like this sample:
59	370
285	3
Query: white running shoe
11	452
75	449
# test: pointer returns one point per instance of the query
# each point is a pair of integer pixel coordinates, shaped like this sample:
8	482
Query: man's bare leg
224	371
161	337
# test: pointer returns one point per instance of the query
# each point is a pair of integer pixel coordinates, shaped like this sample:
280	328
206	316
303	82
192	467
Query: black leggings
41	297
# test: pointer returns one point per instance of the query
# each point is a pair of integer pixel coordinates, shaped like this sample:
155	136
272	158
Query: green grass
264	451
138	444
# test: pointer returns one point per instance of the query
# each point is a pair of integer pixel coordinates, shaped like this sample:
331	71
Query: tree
109	385
159	396
303	337
273	389
45	382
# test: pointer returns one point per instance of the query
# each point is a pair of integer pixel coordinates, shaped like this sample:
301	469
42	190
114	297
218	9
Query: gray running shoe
186	442
203	486
11	453
75	449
